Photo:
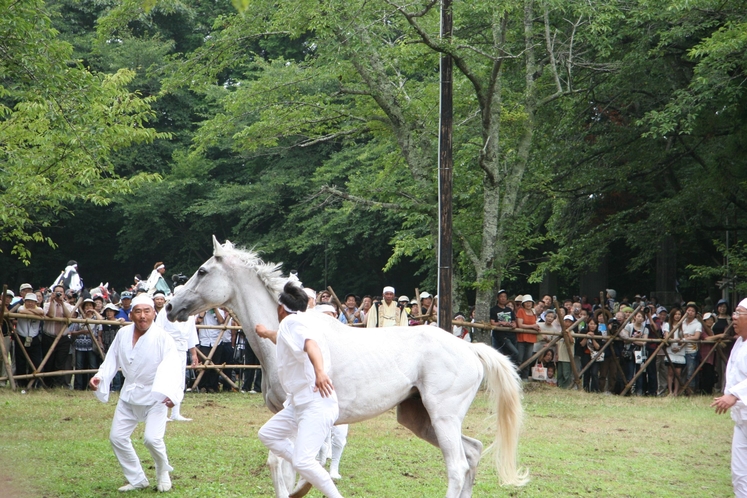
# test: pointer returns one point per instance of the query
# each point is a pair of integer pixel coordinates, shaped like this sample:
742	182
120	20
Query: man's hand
168	403
94	383
266	333
723	403
323	385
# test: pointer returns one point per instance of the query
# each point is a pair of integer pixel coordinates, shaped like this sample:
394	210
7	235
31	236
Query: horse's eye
202	271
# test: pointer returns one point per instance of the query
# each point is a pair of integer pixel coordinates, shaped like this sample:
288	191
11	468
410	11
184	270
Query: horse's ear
217	249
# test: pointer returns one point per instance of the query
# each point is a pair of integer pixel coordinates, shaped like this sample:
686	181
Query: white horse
428	374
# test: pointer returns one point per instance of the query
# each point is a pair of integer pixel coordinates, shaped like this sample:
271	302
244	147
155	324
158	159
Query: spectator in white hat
526	319
388	313
17	301
29	335
426	303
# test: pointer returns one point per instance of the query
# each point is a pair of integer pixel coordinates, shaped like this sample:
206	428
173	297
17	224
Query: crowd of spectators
73	348
525	327
522	328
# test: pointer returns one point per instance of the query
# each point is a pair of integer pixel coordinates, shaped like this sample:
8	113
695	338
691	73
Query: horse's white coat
429	375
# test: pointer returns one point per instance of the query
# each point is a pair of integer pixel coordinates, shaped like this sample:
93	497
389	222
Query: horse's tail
504	387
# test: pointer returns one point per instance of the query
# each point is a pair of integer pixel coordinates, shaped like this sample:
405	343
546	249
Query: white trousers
126	418
339	440
308	425
739	461
5	362
183	372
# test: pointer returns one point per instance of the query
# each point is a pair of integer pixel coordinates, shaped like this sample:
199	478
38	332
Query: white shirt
689	330
736	380
183	333
152	369
295	370
27	327
390	315
54	328
208	337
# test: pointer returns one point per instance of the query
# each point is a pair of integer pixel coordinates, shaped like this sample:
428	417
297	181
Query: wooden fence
207	362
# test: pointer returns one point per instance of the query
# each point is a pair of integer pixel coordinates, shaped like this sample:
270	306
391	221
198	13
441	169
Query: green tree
655	149
367	85
59	125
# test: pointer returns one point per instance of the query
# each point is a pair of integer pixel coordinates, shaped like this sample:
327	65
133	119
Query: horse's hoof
301	490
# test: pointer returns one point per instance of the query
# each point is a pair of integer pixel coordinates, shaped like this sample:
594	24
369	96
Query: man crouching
310	409
149	361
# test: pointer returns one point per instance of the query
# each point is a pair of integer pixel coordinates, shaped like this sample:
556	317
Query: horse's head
210	287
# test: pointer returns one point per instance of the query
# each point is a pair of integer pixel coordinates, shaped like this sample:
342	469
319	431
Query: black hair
294	297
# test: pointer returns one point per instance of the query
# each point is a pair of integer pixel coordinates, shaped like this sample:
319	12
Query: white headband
160	266
388	288
743	303
143	298
287	309
325	307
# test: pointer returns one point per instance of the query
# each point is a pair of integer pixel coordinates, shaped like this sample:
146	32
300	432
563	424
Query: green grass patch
55	444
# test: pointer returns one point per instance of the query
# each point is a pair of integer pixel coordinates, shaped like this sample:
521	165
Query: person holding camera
61	359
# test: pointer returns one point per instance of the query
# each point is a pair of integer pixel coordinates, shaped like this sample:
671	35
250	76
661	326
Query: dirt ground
10	485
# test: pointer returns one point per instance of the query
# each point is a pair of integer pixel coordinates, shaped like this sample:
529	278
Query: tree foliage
307	130
59	124
655	149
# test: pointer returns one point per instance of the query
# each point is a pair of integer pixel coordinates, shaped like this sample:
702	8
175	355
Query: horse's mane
268	273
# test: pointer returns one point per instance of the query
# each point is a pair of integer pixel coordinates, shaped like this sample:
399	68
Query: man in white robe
156	282
388	313
185	337
735	395
311	407
149	361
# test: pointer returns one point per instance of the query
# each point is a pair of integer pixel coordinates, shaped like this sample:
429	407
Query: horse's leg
473	451
412	414
448	430
282	474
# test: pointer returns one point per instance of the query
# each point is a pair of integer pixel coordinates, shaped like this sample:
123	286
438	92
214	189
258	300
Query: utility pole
445	163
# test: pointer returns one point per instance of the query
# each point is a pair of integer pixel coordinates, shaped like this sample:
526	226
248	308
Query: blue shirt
123	313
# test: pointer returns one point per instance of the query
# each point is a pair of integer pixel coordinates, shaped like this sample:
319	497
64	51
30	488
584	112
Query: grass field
55	444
